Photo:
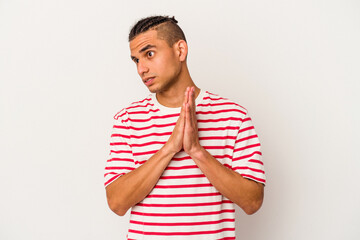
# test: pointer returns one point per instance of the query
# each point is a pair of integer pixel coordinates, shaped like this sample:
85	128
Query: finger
186	98
189	97
182	116
192	105
193	118
183	111
188	116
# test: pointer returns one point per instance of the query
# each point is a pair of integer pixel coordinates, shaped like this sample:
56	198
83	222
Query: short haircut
166	27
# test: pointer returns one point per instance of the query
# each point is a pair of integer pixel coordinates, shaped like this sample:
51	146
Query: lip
148	81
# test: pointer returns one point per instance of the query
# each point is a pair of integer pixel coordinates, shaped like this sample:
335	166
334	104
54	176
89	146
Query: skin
173	86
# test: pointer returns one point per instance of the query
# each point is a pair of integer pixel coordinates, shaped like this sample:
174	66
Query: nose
142	68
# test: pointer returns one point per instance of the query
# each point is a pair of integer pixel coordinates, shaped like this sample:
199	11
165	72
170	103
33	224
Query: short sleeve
247	156
120	160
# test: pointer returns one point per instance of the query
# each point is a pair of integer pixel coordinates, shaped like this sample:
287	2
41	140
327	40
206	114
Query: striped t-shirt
184	204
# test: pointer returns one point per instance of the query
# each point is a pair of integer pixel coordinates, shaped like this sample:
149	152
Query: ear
181	50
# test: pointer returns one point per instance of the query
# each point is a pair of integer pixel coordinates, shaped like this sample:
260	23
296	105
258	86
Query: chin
153	90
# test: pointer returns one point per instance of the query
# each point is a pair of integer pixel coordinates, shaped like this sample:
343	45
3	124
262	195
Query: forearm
133	187
246	193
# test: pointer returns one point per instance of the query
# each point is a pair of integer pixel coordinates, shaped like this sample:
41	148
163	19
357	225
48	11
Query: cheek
172	62
166	65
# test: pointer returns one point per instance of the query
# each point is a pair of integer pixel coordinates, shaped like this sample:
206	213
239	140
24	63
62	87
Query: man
181	157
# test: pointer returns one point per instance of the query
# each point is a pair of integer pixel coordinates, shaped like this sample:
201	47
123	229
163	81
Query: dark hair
166	27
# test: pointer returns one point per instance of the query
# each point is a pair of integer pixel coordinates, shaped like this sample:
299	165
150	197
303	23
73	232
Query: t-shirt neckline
169	110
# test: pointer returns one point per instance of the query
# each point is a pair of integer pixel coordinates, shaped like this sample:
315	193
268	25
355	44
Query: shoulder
217	102
123	114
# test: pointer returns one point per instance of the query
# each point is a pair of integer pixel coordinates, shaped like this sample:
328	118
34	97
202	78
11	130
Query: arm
131	188
246	193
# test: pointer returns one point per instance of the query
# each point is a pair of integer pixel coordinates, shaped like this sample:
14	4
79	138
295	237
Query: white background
65	70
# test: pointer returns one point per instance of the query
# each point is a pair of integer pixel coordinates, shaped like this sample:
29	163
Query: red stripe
145	153
119	143
121	115
110	173
246	147
182	167
246	156
151	134
222	156
120	159
147	127
182	223
117	114
146	99
147	144
256	161
183	195
141	136
184	186
247	119
120	151
182	233
177	115
218	104
141	162
206	147
120	135
139	106
220	111
215	99
119	168
245	129
255	178
247	168
181	158
213	94
227	165
217	137
144	112
179	205
218	128
220	119
183	176
218	147
246	138
111	179
183	214
152	117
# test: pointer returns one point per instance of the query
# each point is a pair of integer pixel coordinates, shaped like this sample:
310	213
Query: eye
150	54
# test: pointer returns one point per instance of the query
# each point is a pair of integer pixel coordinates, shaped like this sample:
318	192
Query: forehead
144	39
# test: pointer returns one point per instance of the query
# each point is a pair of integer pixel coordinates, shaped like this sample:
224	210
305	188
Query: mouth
148	81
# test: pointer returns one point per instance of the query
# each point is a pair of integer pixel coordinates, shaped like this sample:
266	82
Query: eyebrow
144	49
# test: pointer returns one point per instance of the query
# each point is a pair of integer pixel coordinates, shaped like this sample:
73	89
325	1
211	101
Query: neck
174	96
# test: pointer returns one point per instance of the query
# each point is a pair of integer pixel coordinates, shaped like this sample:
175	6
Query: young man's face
157	64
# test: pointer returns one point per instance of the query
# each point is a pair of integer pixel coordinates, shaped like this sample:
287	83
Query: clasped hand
185	134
